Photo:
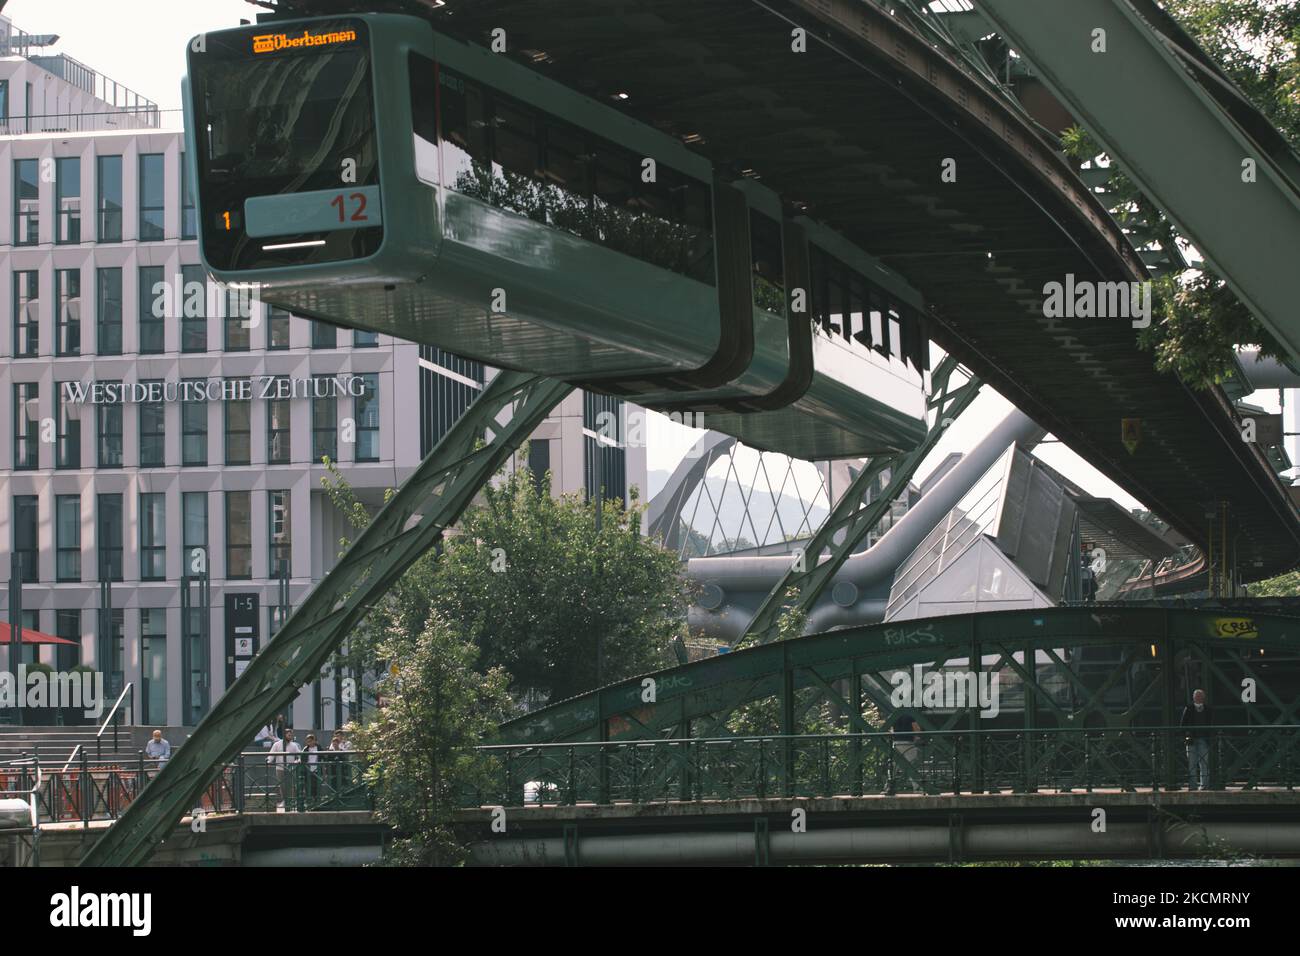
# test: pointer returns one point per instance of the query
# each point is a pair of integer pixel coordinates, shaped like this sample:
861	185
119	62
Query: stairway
53	745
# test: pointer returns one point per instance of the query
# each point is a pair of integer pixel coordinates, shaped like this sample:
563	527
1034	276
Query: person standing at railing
311	752
1196	725
158	749
338	744
283	756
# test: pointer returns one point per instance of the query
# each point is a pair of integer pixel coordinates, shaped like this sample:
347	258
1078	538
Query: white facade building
134	427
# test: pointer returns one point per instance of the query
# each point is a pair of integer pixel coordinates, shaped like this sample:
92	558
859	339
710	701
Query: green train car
365	171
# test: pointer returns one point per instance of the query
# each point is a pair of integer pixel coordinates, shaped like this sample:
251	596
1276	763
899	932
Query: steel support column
806	575
409	524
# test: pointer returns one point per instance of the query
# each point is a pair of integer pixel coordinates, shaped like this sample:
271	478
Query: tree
1197	320
420	745
560	604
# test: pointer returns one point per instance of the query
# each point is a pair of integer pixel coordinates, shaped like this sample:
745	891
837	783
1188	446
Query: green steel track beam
809	577
409	524
1180	131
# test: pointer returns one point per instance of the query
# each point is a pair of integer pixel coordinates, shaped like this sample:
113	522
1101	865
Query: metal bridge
854	131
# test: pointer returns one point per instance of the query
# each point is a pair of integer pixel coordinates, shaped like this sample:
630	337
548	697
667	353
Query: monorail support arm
807	576
409	524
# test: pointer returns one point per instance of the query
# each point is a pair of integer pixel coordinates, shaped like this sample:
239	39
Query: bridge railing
102	788
927	762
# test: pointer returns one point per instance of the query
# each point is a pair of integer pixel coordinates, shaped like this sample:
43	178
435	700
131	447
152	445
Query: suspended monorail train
366	171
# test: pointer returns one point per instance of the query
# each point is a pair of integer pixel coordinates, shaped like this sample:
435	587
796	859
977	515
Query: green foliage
1197	320
420	746
1284	585
557	602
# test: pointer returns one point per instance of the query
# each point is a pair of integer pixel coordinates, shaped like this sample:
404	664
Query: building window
108	188
239	428
324	336
280	532
194	309
539	461
67	199
111	654
605	466
153	664
67	314
194	431
108	311
239	535
109	421
366	414
67	436
194	524
238	321
151	422
4	105
27	314
151	197
67	538
443	399
67	625
364	340
189	214
26	546
27	429
153	322
108	536
277	328
27	202
278	435
153	537
324	425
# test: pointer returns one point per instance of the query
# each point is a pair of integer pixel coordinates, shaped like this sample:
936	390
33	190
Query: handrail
71	757
118	703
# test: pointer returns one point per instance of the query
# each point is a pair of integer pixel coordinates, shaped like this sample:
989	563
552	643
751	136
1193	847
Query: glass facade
239	431
67	625
324	428
108	311
67	435
151	194
194	432
152	417
27	314
239	535
27	202
189	213
26	537
194	309
67	199
366	415
108	197
27	427
109	422
67	538
279	526
153	322
153	664
278	431
153	537
277	328
67	311
108	536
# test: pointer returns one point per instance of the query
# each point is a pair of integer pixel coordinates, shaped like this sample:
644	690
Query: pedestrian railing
88	789
933	762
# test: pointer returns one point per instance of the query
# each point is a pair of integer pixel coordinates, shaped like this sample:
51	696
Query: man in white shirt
284	756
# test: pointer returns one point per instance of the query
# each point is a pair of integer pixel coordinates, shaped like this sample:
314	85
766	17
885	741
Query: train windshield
278	111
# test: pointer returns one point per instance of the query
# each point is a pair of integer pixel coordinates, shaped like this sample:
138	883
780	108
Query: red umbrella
30	636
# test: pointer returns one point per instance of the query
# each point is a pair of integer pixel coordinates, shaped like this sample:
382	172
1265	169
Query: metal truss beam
1189	157
409	524
807	575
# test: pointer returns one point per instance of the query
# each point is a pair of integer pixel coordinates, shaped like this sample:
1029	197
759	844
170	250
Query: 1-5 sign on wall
242	632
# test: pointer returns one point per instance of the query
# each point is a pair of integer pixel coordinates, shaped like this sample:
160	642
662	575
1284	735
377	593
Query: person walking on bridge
1196	725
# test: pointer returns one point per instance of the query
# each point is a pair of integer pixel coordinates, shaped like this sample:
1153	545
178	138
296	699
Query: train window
769	267
837	301
424	117
858	321
895	334
518	158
